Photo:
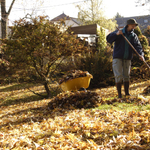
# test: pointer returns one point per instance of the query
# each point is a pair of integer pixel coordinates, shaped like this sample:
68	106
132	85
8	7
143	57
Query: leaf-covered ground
26	121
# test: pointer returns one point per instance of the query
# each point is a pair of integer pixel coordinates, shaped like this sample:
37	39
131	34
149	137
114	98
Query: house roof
88	29
85	29
65	17
61	16
143	21
76	20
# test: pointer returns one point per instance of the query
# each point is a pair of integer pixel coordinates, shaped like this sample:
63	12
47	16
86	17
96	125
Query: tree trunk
47	90
4	20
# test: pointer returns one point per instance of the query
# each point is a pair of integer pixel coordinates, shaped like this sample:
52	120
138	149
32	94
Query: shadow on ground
18	86
21	100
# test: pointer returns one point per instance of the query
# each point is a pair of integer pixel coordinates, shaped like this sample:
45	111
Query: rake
134	49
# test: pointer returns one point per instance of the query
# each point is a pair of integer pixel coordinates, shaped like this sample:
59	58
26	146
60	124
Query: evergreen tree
118	15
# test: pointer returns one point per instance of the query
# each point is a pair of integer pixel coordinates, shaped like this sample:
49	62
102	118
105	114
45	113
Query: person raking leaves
123	53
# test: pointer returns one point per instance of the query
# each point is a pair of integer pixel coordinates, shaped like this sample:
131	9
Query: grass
124	107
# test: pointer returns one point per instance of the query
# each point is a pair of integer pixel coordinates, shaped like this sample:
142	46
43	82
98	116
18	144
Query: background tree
142	2
4	18
34	6
91	12
37	47
118	15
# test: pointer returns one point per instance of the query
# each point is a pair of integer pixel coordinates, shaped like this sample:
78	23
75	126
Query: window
145	21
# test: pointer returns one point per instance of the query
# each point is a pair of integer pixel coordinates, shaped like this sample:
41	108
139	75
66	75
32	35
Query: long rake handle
134	49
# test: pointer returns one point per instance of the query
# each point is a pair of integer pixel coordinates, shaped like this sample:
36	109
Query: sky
53	8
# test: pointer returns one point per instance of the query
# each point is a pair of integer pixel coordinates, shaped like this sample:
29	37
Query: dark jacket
122	49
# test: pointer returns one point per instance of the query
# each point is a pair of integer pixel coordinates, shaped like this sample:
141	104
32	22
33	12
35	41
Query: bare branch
10	7
57	65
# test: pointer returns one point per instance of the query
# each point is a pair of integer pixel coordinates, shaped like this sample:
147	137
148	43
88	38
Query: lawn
26	121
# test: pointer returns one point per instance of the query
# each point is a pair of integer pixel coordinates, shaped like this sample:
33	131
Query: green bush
99	65
145	45
101	43
137	65
147	31
137	30
143	41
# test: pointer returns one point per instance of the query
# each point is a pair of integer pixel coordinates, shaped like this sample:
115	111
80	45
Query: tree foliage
137	30
92	12
118	15
101	43
142	38
38	47
147	31
142	2
139	68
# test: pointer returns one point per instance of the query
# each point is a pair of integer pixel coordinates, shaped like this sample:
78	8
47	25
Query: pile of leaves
75	100
89	99
73	74
140	72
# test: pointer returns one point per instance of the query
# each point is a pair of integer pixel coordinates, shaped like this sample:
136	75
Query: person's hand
119	32
142	58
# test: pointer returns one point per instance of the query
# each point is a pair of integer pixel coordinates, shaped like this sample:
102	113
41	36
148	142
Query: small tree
101	44
143	40
38	47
